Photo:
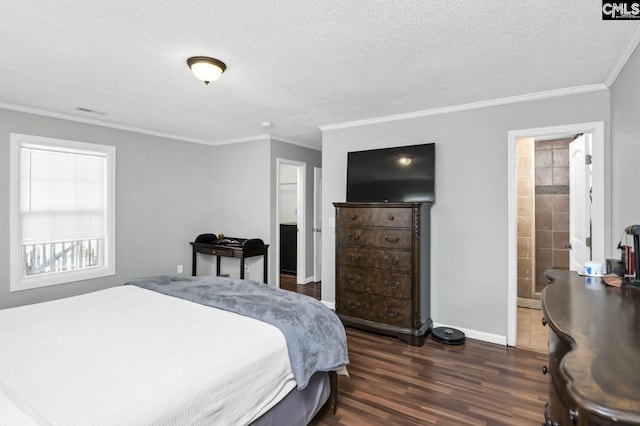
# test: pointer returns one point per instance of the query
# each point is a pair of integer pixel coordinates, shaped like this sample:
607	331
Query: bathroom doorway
290	217
556	211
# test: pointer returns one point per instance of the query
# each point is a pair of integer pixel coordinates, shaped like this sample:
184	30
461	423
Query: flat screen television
398	174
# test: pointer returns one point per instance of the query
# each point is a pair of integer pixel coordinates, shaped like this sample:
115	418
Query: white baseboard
330	305
308	280
472	334
478	335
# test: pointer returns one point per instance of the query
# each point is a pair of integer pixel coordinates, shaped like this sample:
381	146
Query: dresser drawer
376	237
558	348
382	268
393	217
394	260
358	216
384	283
376	308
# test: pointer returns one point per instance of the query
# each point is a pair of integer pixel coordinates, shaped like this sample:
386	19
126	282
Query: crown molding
85	120
623	57
470	106
292	142
264	136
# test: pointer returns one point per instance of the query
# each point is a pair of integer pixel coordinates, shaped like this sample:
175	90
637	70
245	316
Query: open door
580	201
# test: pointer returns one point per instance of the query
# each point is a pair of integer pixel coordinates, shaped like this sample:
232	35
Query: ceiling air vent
90	111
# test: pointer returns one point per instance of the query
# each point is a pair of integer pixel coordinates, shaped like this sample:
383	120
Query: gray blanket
315	337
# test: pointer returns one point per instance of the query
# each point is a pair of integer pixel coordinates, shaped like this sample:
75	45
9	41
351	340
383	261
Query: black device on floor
447	335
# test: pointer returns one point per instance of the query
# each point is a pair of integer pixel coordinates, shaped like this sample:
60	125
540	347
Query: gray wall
163	199
312	158
239	177
167	192
625	137
469	217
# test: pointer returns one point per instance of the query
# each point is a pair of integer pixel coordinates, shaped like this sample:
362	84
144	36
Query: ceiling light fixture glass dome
205	68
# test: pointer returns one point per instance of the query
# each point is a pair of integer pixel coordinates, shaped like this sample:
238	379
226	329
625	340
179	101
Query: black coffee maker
634	230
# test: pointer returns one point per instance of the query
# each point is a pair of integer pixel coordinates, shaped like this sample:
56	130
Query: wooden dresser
594	351
289	248
382	268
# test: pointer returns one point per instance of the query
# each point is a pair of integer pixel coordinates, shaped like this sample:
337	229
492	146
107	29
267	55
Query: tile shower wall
552	207
526	231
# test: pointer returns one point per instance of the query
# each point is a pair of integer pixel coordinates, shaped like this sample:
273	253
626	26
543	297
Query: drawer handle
544	321
354	259
548	421
352	280
545	370
353	237
390	261
573	415
353	306
354	216
391	314
392	240
391	217
393	287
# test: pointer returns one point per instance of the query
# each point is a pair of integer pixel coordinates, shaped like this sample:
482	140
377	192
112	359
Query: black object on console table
229	247
594	351
382	268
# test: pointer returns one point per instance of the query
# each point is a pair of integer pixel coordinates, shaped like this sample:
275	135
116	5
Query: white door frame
598	233
579	201
317	223
300	218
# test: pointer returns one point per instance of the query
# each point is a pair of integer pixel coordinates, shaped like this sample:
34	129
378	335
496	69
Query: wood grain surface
477	383
393	383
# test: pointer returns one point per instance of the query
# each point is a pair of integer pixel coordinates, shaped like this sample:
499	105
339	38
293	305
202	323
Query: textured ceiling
297	64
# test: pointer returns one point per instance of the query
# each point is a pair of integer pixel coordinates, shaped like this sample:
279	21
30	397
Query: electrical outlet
179	269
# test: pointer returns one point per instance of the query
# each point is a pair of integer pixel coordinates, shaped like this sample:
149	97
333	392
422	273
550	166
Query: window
62	211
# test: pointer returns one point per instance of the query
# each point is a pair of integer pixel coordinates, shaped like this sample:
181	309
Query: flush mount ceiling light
205	68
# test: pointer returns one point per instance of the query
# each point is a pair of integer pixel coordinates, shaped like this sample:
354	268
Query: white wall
625	135
239	186
469	217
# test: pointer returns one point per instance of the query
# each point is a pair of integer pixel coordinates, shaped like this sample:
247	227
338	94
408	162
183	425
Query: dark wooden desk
242	249
594	351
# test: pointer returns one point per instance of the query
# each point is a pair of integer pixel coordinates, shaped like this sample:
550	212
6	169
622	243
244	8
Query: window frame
17	280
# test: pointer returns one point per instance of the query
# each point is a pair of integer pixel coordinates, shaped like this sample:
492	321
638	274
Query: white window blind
63	195
62	211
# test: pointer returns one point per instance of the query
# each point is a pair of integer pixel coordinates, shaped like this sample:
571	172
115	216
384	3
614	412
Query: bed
170	351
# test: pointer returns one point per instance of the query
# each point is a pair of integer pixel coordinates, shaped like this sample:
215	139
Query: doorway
290	220
550	220
554	209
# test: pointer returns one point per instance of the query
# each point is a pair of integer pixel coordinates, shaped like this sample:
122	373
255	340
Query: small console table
229	247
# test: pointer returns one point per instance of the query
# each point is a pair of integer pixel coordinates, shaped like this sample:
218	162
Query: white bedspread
129	356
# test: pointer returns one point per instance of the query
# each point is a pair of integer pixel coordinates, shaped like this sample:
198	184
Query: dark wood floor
288	282
477	383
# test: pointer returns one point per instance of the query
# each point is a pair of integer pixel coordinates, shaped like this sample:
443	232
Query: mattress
130	356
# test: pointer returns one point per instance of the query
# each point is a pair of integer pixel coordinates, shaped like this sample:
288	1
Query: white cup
592	268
